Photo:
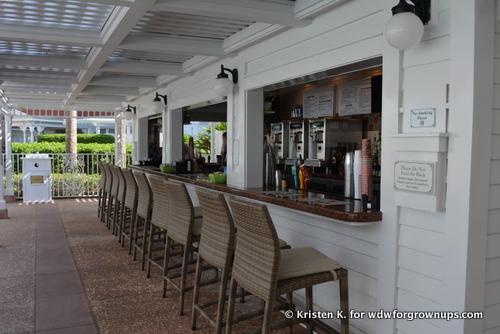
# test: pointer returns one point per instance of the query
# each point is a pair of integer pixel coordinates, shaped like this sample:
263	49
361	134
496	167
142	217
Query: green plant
82	138
203	139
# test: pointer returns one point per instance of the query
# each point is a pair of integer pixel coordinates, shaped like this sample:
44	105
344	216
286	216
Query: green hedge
81	138
52	147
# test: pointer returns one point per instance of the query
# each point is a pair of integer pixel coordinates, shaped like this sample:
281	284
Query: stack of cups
366	169
348	178
356	173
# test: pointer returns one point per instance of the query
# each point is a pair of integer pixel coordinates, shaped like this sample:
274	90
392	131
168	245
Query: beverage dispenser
329	133
279	139
298	134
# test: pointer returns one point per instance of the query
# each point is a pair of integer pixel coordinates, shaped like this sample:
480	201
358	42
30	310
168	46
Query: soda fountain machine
331	136
279	140
298	135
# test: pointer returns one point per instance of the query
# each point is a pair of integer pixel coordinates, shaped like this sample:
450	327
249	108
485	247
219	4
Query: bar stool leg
230	307
344	299
309	307
166	259
185	260
291	305
196	292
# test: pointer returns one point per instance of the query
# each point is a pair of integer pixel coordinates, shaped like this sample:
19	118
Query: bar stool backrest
218	232
161	201
122	185
132	192
257	253
115	184
102	180
145	200
181	219
109	178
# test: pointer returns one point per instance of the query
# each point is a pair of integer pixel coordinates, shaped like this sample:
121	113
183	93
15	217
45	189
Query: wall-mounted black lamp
223	85
130	112
157	105
406	27
131	109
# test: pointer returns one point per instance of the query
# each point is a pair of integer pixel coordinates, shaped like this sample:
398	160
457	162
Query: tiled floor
62	271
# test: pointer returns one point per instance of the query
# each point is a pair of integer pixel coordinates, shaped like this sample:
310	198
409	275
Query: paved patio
62	271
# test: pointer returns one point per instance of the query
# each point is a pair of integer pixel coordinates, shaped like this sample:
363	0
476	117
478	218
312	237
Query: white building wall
421	234
492	277
415	259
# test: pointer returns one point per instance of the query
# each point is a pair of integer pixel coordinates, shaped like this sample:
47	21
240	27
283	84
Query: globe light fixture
158	106
405	28
130	112
223	85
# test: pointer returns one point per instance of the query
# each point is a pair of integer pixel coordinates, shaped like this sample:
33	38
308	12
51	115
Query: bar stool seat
304	261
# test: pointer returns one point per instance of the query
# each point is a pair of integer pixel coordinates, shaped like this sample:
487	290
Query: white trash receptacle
37	178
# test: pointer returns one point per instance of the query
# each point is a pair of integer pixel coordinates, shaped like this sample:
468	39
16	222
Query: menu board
355	97
318	102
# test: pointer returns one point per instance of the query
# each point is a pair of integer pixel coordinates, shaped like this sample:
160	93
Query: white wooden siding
350	34
421	244
492	287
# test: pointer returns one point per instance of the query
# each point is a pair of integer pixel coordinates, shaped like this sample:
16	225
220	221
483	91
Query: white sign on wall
414	176
423	118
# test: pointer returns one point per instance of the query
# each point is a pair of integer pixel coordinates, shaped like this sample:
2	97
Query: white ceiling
98	55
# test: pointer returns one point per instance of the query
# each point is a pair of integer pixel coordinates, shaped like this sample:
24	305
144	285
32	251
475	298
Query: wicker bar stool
216	247
158	226
113	195
129	208
108	182
119	202
143	216
183	229
267	272
102	182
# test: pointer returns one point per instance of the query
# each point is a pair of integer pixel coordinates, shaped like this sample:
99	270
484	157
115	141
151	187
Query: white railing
72	175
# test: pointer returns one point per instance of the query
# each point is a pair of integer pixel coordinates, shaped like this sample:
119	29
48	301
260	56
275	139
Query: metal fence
73	175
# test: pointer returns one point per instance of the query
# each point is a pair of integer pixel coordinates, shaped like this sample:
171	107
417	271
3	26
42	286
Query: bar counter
342	210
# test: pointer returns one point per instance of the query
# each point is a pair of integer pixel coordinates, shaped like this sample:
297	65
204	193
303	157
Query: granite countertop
343	210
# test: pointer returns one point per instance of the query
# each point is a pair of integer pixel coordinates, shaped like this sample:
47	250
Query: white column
3	208
246	134
32	130
469	194
172	140
9	189
23	129
120	140
118	152
39	130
